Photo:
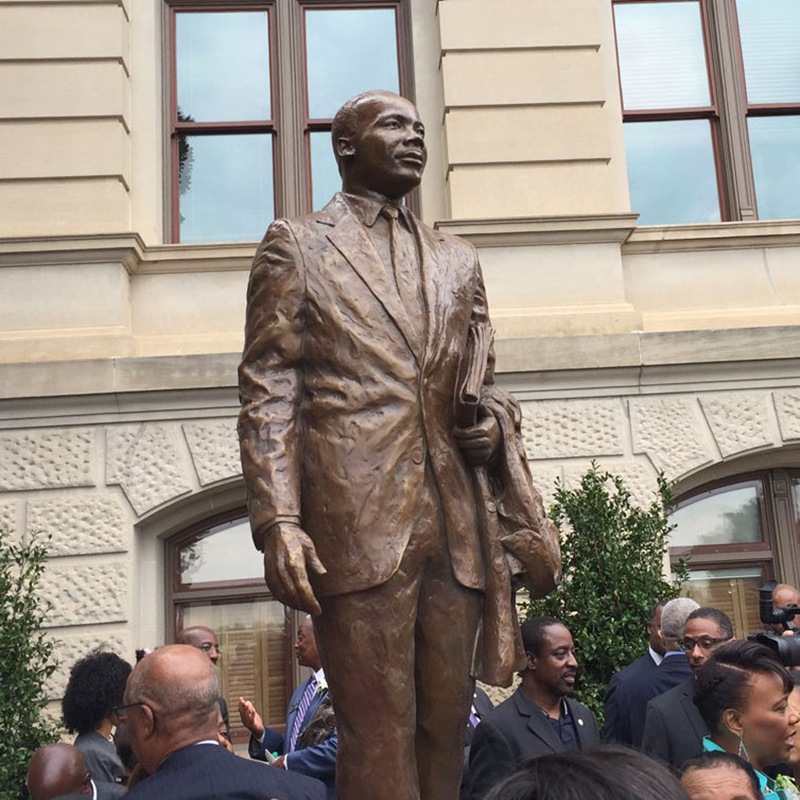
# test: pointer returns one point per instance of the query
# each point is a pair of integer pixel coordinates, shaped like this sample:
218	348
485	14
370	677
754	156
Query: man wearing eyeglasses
206	640
171	710
673	728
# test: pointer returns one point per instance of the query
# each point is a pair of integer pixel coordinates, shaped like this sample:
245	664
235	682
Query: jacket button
417	456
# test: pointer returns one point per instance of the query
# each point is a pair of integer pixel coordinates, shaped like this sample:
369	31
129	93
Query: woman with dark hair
608	772
742	693
96	685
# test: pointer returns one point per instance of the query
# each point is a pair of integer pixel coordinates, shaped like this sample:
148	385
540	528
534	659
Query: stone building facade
671	347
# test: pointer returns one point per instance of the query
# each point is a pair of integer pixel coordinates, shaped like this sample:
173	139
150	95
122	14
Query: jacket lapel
538	725
349	237
582	726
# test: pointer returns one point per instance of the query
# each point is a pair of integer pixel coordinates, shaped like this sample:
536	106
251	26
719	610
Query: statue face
386	153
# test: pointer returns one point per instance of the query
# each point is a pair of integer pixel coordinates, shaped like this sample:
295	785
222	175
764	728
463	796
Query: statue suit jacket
318	761
637	678
673	727
344	396
208	771
516	730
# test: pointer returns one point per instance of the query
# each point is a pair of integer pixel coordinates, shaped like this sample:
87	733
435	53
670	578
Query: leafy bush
613	559
26	662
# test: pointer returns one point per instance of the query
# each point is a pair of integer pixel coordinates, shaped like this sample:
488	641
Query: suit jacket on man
636	678
318	761
672	671
673	727
208	771
516	730
345	397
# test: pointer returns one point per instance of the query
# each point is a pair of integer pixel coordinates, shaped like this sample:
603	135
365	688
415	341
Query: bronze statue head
379	143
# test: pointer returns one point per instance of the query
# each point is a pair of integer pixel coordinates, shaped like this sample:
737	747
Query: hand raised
251	719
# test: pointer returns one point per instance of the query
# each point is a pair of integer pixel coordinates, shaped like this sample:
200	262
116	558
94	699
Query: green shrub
26	662
613	559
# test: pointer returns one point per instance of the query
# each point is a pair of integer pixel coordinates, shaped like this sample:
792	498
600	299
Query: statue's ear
344	147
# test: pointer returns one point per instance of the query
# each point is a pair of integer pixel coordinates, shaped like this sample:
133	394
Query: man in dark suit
539	717
672	670
172	714
673	727
360	488
317	760
617	725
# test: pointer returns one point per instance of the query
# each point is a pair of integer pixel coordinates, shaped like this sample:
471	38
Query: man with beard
539	717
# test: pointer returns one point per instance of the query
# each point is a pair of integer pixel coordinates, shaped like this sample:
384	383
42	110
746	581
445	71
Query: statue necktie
405	261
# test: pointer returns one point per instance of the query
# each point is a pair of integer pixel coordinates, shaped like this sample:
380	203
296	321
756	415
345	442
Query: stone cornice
531	231
127	249
712	236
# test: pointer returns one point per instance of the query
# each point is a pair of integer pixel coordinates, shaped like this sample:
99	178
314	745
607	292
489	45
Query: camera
787	648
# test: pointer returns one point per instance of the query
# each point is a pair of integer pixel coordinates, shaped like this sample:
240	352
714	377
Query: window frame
290	124
179	597
728	94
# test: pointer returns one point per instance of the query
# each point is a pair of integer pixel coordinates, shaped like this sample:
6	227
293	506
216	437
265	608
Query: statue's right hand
289	554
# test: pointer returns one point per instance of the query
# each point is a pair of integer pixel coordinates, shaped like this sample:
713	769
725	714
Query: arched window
215	578
738	533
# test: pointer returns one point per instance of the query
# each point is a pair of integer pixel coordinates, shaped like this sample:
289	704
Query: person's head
551	666
742	694
96	684
379	144
785	595
794	702
170	703
610	772
654	628
705	630
718	775
58	770
305	647
673	618
202	638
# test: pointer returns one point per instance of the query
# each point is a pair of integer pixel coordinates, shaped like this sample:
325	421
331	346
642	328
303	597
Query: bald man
172	714
58	770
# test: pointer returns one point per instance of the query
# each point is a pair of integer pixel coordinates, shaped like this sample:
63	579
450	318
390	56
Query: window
711	108
254	90
216	580
736	535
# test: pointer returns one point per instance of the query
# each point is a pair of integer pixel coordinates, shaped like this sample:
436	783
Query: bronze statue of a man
360	482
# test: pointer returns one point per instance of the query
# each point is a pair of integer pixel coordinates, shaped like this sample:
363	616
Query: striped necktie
302	709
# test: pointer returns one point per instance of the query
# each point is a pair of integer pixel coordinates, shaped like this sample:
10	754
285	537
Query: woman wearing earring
742	693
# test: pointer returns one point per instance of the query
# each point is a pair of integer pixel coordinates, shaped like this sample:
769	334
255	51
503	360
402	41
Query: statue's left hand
289	555
479	442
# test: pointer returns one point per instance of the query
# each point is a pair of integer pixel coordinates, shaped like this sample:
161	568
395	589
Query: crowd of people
700	715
